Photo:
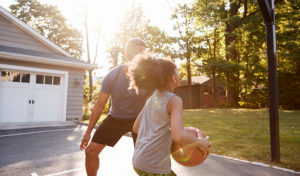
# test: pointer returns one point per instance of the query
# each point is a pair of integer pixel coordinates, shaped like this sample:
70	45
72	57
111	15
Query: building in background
202	96
39	80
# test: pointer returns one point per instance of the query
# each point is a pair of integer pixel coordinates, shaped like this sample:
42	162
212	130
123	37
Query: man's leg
92	158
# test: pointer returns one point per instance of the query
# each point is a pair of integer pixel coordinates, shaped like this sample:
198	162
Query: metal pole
273	87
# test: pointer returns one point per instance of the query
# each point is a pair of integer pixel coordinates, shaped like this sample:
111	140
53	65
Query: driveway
55	151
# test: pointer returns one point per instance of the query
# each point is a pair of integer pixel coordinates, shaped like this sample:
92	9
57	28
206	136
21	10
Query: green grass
245	134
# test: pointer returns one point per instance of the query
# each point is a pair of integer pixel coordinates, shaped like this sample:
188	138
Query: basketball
188	155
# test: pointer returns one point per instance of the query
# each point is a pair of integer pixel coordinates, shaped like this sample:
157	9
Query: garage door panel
47	105
14	104
29	96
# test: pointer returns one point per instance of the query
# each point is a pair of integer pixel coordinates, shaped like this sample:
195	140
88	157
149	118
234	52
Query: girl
160	121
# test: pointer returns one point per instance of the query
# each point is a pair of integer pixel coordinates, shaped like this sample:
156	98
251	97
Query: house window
16	76
40	79
206	91
48	80
5	76
56	80
222	92
25	78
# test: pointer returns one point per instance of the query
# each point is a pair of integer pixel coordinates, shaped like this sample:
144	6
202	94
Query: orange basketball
188	155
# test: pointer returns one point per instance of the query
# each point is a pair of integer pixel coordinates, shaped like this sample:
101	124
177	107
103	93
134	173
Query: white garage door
31	96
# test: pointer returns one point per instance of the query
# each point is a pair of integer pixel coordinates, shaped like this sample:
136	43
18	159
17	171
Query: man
125	107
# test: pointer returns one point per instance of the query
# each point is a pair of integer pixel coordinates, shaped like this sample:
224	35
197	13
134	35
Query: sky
107	14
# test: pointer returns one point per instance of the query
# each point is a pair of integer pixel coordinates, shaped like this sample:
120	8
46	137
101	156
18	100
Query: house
201	92
39	80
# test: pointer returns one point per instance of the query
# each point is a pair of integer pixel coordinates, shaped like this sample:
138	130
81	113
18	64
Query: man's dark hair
133	47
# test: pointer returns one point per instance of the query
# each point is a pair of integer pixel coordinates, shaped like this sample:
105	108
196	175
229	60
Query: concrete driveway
55	151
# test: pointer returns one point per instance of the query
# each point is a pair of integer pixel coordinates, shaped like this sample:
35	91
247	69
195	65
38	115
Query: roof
200	80
22	54
6	14
62	58
195	80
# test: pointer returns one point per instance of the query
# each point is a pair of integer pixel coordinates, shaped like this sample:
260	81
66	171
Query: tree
114	50
186	41
85	21
135	25
241	49
288	54
229	19
48	21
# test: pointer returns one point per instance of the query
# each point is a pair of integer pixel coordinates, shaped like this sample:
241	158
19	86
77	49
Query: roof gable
11	35
201	80
7	15
196	80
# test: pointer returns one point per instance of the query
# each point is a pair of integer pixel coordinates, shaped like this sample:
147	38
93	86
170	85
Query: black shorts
112	129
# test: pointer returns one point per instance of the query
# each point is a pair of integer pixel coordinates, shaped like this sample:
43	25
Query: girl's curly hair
148	73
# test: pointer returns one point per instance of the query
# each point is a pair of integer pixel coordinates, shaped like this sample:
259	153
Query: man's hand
85	141
96	113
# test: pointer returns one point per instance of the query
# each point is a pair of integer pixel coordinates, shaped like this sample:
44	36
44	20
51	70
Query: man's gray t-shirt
126	104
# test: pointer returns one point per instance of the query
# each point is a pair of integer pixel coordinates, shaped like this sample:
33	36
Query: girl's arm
137	123
179	135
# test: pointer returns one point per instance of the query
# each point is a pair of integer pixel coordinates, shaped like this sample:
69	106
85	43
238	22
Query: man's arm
97	110
96	113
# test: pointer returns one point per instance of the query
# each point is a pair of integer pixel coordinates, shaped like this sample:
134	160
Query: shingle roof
195	80
202	80
39	54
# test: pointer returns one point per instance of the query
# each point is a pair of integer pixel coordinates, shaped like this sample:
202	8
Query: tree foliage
135	25
188	41
48	21
231	45
226	40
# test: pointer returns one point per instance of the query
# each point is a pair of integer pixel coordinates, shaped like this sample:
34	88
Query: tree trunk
214	86
189	75
188	62
231	54
89	60
91	85
214	81
115	56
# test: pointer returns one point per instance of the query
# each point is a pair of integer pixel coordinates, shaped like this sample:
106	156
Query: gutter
45	60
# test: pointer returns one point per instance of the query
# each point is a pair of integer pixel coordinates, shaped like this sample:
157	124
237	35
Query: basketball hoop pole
267	9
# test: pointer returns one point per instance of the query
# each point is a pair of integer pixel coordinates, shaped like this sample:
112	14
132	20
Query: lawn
245	134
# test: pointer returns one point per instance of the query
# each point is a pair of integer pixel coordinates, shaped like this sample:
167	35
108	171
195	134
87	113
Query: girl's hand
204	138
204	145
